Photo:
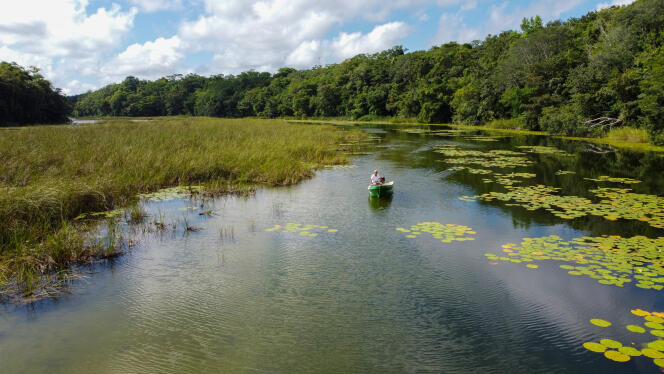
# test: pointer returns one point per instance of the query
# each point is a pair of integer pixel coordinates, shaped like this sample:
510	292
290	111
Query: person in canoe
376	179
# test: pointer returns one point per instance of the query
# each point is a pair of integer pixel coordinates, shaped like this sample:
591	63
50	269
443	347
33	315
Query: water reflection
380	203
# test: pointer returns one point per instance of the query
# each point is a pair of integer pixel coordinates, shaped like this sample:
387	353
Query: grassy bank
626	139
51	174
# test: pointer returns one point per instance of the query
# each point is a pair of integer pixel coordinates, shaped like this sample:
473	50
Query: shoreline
623	145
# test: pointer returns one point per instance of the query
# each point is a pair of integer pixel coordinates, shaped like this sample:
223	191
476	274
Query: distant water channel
352	294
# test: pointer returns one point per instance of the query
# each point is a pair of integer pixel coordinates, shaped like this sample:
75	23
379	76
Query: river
354	294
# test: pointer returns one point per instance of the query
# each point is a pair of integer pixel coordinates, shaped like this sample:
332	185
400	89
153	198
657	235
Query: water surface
235	298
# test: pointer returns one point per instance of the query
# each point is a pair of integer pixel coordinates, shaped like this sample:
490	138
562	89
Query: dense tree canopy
552	77
26	97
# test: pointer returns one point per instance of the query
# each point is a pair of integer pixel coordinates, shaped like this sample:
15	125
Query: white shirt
375	179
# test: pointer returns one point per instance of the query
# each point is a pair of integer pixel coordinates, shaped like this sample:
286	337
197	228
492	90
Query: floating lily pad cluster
415	131
301	229
445	232
544	150
172	193
449	132
481	138
504	179
107	214
494	158
565	172
471	170
616	203
606	178
509	179
619	352
611	260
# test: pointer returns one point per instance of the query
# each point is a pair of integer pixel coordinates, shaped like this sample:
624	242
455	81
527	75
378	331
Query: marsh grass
628	134
52	174
513	123
136	214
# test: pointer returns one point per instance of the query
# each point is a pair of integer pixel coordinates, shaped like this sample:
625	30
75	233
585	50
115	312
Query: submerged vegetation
577	77
54	179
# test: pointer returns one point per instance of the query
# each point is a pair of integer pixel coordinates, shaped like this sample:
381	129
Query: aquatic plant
471	170
302	229
171	193
619	352
445	232
482	138
565	172
606	178
616	203
611	260
544	150
497	158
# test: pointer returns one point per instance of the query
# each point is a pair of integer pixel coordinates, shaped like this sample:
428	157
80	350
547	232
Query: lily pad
610	343
654	325
600	323
636	329
630	351
657	345
649	352
640	312
594	347
616	356
446	233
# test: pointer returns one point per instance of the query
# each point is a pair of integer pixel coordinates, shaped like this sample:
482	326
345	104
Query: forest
574	77
26	97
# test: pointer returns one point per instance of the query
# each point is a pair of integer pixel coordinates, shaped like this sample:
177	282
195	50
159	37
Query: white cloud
306	54
75	87
61	36
62	27
601	6
147	60
345	45
380	38
272	33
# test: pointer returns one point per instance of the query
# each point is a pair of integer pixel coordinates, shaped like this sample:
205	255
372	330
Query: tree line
606	67
26	97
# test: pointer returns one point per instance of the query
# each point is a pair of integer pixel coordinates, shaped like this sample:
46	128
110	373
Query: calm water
234	298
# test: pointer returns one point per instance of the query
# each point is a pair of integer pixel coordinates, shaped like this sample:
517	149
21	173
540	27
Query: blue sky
85	44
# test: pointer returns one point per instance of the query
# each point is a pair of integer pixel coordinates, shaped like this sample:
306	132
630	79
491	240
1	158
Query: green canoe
381	189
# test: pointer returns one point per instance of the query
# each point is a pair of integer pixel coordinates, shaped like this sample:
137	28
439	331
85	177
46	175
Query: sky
83	45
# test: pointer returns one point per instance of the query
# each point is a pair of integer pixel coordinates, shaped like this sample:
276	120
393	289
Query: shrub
561	120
